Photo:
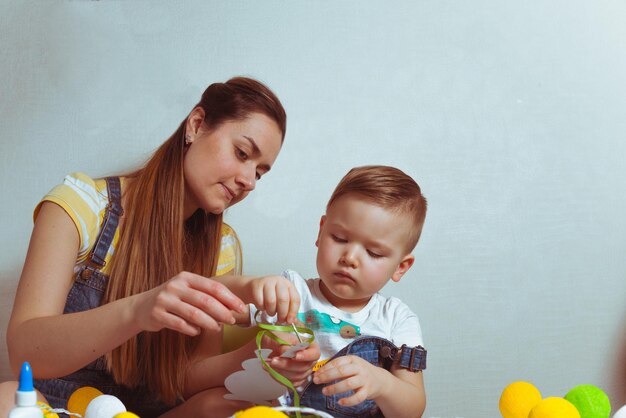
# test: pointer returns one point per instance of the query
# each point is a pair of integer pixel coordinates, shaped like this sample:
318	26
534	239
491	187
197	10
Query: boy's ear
404	266
322	220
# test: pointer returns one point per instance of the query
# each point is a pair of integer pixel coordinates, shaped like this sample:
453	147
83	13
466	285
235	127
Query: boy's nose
348	259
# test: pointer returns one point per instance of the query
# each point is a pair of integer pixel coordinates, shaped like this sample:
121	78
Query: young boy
373	221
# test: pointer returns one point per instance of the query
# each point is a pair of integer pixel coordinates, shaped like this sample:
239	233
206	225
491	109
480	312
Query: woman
116	291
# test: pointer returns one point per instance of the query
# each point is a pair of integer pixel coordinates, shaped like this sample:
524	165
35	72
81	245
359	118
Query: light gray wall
510	115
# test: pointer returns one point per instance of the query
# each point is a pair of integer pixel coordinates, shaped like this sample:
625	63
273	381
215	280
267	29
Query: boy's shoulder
403	325
302	285
391	305
292	275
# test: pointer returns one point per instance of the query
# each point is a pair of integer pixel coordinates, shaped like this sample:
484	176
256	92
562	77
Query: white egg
104	406
621	413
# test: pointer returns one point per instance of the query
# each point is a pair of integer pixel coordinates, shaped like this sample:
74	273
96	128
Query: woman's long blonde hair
156	243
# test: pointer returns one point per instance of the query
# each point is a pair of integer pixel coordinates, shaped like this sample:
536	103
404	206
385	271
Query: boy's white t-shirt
385	317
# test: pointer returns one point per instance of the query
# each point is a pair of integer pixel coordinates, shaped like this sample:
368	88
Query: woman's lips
229	193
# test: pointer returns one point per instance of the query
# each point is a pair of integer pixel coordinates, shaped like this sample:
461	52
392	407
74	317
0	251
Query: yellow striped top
85	200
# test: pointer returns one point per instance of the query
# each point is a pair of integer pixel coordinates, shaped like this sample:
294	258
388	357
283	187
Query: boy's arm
399	393
406	396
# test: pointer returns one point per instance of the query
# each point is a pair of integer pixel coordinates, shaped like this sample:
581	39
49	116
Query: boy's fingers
297	367
359	396
310	354
341	367
294	305
257	298
269	300
282	302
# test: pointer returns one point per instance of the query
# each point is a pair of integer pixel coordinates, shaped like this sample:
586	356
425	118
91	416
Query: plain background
510	115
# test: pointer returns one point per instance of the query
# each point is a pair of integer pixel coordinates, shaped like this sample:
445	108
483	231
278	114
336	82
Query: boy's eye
338	239
373	254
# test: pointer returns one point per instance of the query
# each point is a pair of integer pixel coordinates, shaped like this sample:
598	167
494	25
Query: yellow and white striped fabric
85	200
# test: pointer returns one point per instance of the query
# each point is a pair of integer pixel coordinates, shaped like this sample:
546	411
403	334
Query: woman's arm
38	332
56	344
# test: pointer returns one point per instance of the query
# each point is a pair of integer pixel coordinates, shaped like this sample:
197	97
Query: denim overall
379	352
86	293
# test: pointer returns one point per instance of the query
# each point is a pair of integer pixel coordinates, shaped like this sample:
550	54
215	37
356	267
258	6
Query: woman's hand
186	303
275	295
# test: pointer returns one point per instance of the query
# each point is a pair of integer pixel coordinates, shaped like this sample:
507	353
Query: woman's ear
404	266
319	233
194	123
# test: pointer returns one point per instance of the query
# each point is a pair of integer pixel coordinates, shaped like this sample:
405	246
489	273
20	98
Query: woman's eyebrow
256	151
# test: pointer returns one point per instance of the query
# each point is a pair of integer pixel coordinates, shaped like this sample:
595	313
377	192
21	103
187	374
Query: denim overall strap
109	223
90	284
411	358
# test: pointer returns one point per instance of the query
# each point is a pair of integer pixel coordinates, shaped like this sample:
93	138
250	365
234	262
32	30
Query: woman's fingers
205	314
176	323
218	291
189	302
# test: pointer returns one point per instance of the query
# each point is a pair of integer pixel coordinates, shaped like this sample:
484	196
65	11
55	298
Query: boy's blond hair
389	188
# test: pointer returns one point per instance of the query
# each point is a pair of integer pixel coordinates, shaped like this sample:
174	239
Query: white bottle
26	397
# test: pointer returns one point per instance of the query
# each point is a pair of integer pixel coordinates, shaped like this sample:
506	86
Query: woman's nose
246	180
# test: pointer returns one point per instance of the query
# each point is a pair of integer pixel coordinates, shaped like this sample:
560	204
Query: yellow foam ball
126	415
78	401
554	408
260	412
518	399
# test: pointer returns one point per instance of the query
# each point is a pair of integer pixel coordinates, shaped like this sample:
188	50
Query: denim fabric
86	293
375	350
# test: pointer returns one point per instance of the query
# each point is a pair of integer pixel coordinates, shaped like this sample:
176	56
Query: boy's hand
296	369
275	295
366	380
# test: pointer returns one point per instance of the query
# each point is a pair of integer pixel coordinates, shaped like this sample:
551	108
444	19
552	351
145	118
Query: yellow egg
78	401
126	415
554	408
45	408
260	412
518	399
